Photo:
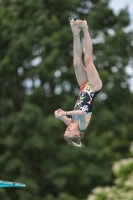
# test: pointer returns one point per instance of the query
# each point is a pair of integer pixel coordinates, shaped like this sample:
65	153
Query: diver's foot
82	24
75	29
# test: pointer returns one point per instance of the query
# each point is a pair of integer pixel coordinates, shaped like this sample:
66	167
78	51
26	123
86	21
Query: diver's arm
84	119
75	112
65	119
60	113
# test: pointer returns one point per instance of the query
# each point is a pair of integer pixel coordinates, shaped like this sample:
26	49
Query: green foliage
37	77
123	186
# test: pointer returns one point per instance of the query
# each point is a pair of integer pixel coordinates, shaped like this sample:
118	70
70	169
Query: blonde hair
75	141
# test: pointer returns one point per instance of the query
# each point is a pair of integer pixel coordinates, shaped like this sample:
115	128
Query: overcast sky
119	4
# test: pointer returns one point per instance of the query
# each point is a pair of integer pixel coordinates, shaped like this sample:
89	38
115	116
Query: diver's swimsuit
85	99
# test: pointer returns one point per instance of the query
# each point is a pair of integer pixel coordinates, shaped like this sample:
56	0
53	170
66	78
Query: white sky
119	4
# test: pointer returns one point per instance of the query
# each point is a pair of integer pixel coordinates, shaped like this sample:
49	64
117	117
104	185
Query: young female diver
89	83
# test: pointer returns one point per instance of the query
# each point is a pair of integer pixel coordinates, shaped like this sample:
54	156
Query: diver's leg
80	71
91	70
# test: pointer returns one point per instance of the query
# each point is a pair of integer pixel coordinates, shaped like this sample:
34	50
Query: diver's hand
59	113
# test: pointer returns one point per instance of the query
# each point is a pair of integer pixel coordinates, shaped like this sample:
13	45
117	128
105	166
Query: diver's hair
75	141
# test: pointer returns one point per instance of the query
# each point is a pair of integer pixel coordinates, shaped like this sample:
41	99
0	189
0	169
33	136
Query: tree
37	77
122	188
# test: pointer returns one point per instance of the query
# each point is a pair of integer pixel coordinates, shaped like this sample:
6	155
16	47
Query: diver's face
71	131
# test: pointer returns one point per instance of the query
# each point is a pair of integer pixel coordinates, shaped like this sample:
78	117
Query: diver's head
73	135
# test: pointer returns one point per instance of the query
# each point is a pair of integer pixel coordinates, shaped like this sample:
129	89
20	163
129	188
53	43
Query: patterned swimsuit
85	99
